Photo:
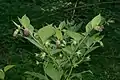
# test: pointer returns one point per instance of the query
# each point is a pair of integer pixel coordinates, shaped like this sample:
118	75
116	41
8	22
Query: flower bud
58	43
15	32
60	55
47	43
74	42
99	28
43	55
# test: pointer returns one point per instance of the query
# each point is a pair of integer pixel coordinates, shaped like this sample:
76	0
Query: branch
88	5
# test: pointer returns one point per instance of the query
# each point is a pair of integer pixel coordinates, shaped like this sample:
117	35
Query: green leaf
67	49
52	72
59	34
74	35
46	32
16	24
6	68
96	37
24	21
62	25
55	51
91	49
2	74
29	78
97	21
34	42
77	27
89	42
89	27
101	43
31	29
38	75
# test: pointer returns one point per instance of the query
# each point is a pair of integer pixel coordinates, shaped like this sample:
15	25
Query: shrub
62	48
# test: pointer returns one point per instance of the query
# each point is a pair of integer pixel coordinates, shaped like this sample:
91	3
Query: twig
106	56
74	9
88	5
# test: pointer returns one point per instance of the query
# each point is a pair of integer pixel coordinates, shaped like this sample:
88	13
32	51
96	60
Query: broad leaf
97	21
77	27
96	37
67	49
2	74
59	34
89	42
74	35
55	51
29	78
38	75
31	29
52	72
34	42
62	25
24	21
46	32
77	75
89	27
6	68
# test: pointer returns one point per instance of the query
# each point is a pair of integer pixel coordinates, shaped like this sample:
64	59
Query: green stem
88	5
74	9
70	73
81	42
50	56
84	56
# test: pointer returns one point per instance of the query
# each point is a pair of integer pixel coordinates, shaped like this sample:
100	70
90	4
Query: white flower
36	54
37	62
43	55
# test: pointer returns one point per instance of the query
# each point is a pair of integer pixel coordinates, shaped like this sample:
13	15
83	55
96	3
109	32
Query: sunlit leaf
59	34
97	21
24	21
67	49
62	25
34	42
74	35
52	72
89	27
46	32
2	74
6	68
38	75
31	29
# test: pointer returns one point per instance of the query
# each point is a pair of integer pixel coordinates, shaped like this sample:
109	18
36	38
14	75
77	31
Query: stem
74	9
70	73
46	50
37	41
53	59
81	42
88	5
84	55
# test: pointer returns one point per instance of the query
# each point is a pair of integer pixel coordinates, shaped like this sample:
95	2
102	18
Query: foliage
104	62
61	50
2	72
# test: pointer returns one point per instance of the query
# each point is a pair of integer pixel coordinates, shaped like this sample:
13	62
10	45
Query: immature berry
26	32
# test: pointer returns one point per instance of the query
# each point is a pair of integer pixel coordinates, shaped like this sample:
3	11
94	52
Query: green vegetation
60	45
